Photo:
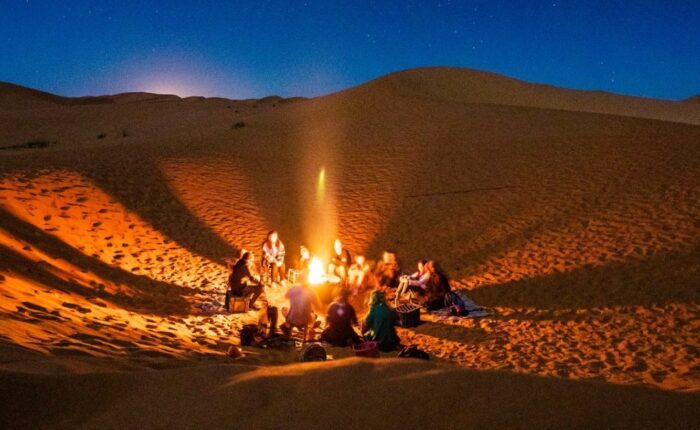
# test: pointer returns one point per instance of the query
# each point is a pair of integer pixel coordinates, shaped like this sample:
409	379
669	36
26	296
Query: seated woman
438	286
340	261
304	259
358	275
340	319
417	282
300	315
242	283
387	270
301	268
380	323
273	257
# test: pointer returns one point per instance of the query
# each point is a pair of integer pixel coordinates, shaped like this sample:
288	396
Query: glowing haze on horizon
257	48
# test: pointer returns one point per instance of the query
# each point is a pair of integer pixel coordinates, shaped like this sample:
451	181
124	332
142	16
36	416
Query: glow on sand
320	220
323	231
321	187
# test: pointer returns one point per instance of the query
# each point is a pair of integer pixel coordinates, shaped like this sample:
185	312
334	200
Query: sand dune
572	215
460	86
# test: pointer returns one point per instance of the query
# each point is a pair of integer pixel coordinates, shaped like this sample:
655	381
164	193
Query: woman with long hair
273	257
437	287
416	282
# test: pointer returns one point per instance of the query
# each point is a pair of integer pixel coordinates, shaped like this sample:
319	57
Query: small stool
238	305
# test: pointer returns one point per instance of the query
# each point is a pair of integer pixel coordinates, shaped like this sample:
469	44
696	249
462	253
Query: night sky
258	48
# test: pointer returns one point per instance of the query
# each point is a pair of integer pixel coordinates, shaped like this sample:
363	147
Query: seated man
358	275
340	261
340	319
300	314
387	270
380	323
242	283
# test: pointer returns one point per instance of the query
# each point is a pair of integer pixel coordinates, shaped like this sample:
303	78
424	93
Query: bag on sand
313	352
412	351
369	349
247	334
456	304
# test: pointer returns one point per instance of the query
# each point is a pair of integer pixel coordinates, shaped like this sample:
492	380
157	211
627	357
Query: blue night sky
257	48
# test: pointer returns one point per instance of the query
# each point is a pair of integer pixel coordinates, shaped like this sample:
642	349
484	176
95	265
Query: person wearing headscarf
380	323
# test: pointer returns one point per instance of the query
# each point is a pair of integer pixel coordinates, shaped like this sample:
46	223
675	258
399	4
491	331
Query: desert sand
573	216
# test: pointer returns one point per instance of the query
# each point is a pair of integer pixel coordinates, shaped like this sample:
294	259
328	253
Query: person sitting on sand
304	259
437	287
380	323
358	275
300	314
242	283
387	270
273	257
340	319
416	282
340	261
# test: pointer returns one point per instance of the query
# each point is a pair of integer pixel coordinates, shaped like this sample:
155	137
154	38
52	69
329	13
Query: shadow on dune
669	277
152	296
141	188
441	397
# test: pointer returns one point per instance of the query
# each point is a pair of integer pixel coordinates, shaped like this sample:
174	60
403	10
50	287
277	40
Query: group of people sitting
427	286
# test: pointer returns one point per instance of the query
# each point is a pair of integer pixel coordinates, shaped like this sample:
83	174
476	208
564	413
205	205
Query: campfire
317	273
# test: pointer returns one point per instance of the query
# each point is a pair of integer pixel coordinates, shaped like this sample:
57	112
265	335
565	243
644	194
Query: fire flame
317	274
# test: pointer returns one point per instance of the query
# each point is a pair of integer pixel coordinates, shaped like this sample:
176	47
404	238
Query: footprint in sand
76	307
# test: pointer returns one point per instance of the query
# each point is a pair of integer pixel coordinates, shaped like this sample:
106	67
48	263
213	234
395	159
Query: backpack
456	304
412	351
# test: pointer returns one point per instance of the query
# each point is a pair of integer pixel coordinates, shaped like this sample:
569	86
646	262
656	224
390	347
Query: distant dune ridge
572	215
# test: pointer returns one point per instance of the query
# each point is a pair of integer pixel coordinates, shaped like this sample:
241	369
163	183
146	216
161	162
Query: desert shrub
102	135
239	124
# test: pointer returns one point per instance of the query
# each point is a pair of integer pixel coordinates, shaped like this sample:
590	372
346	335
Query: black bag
412	351
272	316
248	332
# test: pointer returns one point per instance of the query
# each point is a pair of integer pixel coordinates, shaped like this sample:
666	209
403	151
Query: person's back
380	323
238	279
340	319
300	306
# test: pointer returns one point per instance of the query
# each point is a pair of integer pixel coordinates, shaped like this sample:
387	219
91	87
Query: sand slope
573	215
397	394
